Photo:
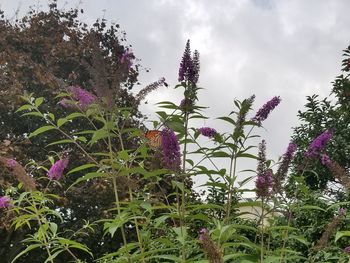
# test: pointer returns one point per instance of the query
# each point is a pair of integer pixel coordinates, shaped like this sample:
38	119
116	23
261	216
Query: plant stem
262	232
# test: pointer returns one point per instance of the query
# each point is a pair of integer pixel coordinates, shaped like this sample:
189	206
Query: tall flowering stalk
82	97
284	166
266	109
242	115
209	247
148	89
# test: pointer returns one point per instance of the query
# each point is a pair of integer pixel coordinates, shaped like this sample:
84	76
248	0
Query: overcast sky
262	47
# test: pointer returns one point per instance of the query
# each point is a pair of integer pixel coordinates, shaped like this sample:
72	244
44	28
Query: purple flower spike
318	144
265	110
171	150
11	163
4	201
207	132
264	184
127	58
56	170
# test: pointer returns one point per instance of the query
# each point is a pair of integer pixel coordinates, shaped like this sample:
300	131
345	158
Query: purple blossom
265	110
11	163
207	132
347	250
318	144
127	58
56	170
264	184
287	159
189	66
4	201
325	160
171	150
84	98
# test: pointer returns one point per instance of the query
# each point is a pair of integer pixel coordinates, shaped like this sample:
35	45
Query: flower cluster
4	201
245	107
148	89
318	144
207	132
11	163
284	165
83	98
264	181
56	170
189	67
210	248
170	150
265	110
325	160
347	250
337	170
126	58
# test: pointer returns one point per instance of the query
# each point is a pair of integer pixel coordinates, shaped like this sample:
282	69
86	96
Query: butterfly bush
318	144
57	169
83	97
5	201
266	109
127	58
207	132
170	150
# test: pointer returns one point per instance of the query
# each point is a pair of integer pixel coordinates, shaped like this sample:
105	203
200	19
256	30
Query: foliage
97	188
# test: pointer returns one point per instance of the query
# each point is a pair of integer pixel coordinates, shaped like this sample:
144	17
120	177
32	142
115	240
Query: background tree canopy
44	53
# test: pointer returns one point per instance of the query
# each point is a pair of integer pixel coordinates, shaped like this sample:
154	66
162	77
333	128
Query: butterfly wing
154	138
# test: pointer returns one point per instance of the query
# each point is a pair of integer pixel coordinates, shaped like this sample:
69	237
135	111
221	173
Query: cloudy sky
263	47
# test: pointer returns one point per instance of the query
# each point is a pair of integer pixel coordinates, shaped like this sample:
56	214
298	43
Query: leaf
81	167
312	207
25	107
88	177
29	248
61	122
38	101
41	130
227	119
341	234
61	142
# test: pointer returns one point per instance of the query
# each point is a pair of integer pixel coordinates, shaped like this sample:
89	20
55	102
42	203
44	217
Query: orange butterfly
154	138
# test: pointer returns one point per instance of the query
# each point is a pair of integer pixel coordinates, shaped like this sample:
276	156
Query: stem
262	232
139	237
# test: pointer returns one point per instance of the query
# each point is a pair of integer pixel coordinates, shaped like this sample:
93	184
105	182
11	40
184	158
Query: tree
326	114
45	53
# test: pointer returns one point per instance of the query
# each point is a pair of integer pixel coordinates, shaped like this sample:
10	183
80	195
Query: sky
289	48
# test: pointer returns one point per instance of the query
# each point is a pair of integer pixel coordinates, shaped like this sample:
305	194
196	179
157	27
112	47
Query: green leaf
227	119
25	107
81	167
29	248
38	101
88	177
61	142
41	130
341	234
61	122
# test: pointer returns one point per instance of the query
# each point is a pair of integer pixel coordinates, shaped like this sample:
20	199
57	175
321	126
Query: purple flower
325	160
341	211
11	163
318	144
189	67
84	98
347	250
264	184
127	58
287	159
171	150
4	201
265	110
186	105
207	132
56	170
